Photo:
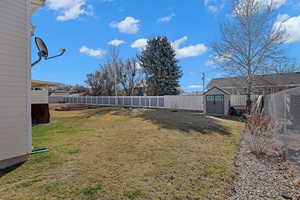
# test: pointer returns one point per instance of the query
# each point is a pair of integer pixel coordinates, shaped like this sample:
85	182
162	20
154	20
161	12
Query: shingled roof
270	80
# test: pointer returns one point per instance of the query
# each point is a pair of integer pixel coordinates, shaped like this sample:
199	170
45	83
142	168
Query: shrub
262	134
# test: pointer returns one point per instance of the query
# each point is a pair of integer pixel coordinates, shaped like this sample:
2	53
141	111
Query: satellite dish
43	51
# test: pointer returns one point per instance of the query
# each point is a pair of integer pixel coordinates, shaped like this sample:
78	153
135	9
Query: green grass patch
88	191
74	151
133	194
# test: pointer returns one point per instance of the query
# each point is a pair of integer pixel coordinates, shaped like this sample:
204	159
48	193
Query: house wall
15	86
39	96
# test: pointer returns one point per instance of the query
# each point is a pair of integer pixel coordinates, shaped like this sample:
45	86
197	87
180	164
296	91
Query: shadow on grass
182	120
3	172
185	121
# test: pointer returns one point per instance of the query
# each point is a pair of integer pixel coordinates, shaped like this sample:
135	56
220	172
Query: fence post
285	149
140	101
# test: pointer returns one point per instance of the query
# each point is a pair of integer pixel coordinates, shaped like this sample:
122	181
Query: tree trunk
249	102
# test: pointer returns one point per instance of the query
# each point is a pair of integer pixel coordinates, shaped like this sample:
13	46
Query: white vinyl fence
170	102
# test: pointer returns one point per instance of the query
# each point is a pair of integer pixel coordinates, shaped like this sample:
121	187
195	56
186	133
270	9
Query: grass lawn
118	153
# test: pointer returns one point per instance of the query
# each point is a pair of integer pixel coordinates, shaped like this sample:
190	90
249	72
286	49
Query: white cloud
176	44
139	44
191	51
276	3
116	42
129	25
184	52
291	25
214	6
213	9
98	53
70	9
166	19
195	86
209	62
188	51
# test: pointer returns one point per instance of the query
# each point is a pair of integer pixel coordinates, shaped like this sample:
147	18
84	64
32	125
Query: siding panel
15	134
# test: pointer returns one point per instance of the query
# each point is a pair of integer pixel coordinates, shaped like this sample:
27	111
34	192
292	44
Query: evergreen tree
161	67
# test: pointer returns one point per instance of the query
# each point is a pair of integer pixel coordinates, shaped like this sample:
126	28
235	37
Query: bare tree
115	76
250	41
285	66
103	82
80	89
129	75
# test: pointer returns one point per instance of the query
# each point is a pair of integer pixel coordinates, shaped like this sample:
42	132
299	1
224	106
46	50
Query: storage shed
15	80
216	101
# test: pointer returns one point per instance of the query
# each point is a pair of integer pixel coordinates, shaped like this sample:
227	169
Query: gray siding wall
15	75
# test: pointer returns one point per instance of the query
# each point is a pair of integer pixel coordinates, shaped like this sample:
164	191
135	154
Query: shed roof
220	89
270	80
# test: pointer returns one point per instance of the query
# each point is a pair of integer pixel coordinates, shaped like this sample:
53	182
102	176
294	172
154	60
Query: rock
286	197
297	182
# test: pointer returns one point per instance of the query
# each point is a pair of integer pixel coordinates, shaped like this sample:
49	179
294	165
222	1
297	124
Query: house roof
270	80
35	84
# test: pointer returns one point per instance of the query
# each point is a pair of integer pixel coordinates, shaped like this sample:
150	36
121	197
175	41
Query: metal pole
203	81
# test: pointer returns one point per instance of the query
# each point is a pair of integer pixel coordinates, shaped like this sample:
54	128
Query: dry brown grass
112	154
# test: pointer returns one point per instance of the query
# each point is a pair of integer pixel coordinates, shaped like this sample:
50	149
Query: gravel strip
263	178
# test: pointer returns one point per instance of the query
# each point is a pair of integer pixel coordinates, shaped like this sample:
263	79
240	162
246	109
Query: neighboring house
263	84
191	94
39	98
60	93
15	80
39	91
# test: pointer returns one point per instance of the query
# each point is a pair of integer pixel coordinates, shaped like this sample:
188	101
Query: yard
118	153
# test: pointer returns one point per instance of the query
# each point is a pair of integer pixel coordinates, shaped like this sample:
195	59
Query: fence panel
184	102
241	100
284	108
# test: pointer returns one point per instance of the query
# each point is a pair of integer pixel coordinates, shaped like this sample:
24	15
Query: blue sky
88	28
